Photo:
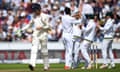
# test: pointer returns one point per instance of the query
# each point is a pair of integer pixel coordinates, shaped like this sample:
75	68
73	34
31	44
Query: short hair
67	10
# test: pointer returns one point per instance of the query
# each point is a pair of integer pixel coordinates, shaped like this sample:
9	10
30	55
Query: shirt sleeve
77	22
28	25
72	20
107	27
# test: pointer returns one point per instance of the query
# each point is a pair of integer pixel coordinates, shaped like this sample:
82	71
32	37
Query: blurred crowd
15	14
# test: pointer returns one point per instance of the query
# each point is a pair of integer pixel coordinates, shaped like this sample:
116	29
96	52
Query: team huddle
79	33
75	33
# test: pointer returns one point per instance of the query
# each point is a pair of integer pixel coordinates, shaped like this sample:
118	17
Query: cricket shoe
83	67
31	67
46	68
88	67
67	67
75	65
104	66
111	66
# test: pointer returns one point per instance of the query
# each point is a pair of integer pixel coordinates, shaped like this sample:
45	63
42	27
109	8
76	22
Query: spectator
10	34
87	8
18	13
73	7
56	32
2	35
10	17
4	25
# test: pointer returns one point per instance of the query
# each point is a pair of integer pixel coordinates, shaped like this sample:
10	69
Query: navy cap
109	14
90	16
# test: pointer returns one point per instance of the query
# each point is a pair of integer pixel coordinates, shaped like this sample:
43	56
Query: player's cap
36	6
90	16
109	14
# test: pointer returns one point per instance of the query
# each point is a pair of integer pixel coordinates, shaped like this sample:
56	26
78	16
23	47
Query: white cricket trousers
36	45
107	50
68	44
76	51
84	50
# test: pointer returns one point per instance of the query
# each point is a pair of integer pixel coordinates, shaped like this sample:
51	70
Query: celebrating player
67	37
89	34
77	37
107	41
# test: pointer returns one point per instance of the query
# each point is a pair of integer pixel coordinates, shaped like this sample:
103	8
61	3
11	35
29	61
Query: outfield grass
54	68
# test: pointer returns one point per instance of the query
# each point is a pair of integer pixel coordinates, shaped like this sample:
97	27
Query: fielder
89	34
67	37
77	37
39	41
107	41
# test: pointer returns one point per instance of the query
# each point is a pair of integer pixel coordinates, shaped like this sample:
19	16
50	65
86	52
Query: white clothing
67	23
108	39
77	34
108	29
67	38
87	9
76	29
90	30
39	38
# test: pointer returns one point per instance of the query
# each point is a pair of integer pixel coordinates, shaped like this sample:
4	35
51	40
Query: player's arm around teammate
107	41
77	38
67	20
89	34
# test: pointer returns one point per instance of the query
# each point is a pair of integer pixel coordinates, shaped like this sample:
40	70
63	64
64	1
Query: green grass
53	68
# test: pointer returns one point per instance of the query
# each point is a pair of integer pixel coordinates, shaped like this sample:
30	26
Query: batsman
41	28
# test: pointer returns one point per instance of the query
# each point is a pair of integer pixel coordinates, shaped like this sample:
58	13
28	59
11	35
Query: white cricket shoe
103	66
46	68
88	67
111	66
